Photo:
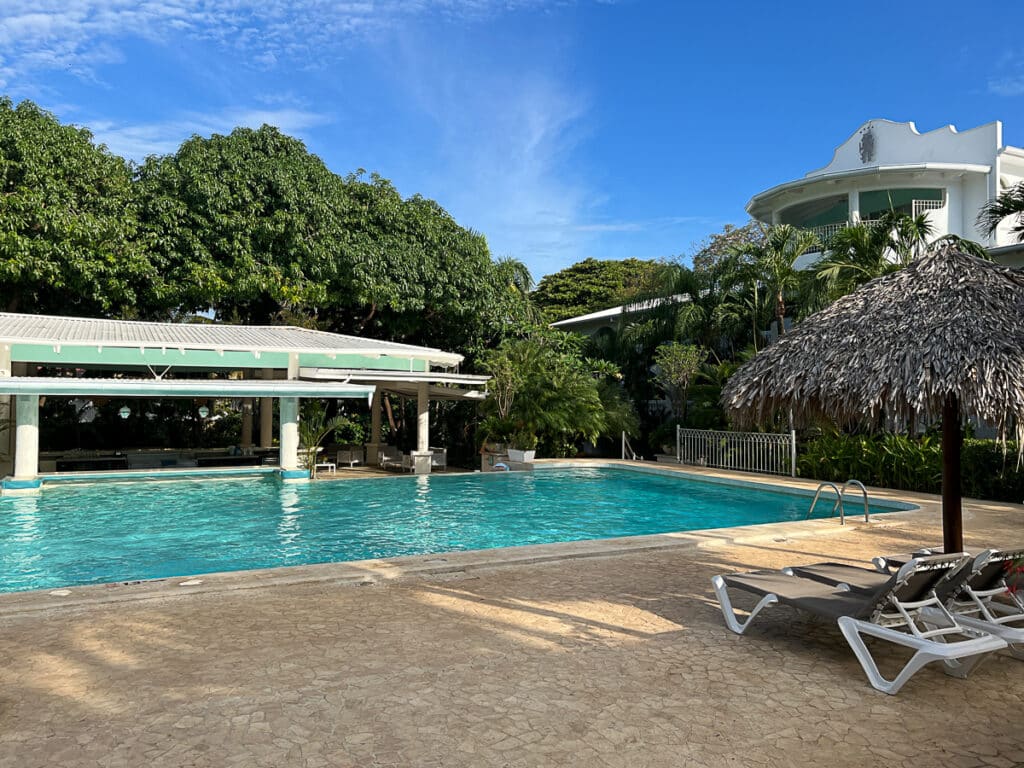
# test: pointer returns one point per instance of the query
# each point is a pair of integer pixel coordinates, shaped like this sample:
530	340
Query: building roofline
804	181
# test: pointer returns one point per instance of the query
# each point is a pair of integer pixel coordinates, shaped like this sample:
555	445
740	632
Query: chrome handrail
838	504
864	492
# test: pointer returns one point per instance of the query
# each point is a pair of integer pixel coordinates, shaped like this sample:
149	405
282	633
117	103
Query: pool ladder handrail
839	499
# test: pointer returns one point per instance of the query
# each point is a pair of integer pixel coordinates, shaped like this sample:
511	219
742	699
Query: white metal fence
770	453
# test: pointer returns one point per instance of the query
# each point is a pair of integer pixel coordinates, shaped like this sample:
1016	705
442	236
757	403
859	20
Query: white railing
920	206
769	453
917	207
825	231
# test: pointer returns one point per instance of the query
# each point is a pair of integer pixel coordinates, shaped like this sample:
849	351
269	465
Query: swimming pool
76	534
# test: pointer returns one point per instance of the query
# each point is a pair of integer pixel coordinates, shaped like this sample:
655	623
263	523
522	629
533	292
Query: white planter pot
522	457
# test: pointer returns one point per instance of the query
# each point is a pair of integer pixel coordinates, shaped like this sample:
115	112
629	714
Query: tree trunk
780	313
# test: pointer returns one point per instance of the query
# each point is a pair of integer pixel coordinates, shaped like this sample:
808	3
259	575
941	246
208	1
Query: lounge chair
891	611
983	599
977	593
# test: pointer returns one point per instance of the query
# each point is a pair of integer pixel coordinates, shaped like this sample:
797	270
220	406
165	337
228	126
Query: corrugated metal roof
47	329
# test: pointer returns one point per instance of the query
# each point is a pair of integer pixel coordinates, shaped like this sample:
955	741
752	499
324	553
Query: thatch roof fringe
949	323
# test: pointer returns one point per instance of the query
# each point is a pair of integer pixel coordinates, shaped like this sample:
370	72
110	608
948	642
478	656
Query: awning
364	375
85	387
441	385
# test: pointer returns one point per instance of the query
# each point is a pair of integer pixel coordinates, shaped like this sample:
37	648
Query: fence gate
767	452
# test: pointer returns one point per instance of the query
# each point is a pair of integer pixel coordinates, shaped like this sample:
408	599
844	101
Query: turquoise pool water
119	531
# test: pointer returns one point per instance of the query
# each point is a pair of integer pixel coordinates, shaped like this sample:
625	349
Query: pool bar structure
99	358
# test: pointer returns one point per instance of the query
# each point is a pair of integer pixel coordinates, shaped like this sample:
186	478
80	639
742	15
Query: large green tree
69	240
258	228
246	224
591	285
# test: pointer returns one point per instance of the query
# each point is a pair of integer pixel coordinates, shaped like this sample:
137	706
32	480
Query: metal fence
770	453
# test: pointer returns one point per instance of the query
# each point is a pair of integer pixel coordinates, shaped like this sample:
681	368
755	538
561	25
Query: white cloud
139	141
79	35
1007	86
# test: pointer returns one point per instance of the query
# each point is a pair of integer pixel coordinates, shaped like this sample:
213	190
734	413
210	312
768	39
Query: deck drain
60	592
190	583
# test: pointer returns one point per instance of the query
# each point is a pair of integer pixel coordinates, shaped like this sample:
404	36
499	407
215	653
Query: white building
945	173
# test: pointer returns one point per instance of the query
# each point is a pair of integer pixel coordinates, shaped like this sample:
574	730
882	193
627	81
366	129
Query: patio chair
983	599
388	454
892	611
438	458
977	593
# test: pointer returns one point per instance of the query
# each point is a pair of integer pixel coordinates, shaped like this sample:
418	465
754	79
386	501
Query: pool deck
609	653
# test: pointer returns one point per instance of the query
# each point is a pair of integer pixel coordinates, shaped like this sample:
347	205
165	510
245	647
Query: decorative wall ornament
867	144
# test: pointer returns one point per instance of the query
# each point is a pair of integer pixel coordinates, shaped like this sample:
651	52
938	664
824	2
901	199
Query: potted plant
523	446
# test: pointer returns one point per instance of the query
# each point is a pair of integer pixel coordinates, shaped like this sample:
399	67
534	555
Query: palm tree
866	250
1009	203
773	262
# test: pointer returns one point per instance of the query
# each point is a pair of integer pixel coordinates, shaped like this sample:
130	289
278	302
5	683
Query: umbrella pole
952	514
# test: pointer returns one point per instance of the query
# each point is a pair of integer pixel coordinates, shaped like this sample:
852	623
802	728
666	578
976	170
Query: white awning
441	385
85	387
369	376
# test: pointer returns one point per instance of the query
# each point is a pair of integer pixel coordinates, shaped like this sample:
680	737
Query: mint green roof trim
65	354
382	363
85	387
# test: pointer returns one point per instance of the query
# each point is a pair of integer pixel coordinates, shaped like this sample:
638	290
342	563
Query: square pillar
373	447
266	413
26	447
289	438
246	439
421	456
853	203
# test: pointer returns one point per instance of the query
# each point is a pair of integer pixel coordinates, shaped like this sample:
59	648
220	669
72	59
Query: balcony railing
917	207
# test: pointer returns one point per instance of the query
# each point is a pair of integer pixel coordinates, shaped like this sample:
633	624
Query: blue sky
560	129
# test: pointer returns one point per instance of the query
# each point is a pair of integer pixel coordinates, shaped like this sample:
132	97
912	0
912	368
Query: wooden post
952	513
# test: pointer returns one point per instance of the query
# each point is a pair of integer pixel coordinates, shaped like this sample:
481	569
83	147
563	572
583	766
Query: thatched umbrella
941	339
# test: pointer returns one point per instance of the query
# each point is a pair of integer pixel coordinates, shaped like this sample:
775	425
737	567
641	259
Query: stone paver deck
617	660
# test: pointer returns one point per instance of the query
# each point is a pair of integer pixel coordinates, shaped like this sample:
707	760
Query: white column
266	412
422	417
289	441
421	456
374	445
854	205
26	450
246	422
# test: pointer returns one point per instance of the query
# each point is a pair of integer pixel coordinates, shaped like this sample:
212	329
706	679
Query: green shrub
897	461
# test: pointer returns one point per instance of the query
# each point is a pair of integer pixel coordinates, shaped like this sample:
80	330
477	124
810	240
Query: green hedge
895	461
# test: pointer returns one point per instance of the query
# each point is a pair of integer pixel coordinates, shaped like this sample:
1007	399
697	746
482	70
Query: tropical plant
1008	204
773	263
543	388
314	428
676	364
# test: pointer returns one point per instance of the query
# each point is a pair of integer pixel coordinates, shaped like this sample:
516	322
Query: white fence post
792	453
679	445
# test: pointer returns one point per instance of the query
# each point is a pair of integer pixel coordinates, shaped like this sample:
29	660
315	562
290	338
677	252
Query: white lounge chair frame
899	627
980	611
